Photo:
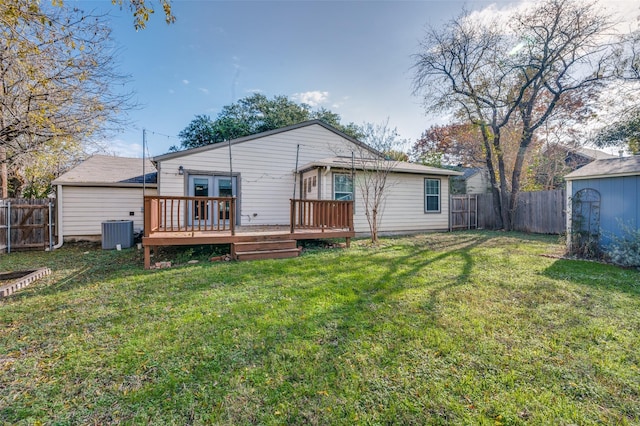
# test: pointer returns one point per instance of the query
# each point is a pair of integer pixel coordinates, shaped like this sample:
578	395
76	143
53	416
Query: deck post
147	257
232	215
292	216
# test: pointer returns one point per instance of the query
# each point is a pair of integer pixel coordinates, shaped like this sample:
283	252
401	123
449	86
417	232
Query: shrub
625	250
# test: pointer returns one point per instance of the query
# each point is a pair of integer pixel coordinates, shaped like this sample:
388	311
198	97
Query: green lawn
462	328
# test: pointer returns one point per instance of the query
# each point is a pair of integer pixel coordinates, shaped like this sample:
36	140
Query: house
303	173
99	189
309	160
603	197
474	180
575	157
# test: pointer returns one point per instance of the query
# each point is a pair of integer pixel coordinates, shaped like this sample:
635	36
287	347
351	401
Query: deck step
267	254
269	249
264	245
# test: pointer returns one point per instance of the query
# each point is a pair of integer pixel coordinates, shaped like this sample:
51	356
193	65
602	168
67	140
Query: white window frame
438	195
334	187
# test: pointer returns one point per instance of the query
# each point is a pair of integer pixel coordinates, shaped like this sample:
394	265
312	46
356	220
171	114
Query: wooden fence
540	212
26	224
464	211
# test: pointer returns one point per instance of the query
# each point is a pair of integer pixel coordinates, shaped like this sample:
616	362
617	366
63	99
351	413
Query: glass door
223	186
210	186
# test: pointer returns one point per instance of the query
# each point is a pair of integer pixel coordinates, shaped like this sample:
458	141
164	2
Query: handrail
179	214
321	214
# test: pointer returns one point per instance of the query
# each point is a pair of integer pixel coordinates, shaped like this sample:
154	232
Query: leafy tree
518	70
625	132
58	84
453	144
141	9
255	114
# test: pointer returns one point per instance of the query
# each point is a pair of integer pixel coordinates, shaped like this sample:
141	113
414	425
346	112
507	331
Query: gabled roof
587	153
468	172
366	164
593	154
613	167
262	135
106	170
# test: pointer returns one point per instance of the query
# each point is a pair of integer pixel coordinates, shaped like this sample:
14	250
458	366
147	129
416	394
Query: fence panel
25	223
464	211
487	217
539	212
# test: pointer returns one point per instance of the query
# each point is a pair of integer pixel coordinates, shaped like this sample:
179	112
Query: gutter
59	222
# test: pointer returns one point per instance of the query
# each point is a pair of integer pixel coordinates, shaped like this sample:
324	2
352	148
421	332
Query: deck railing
189	214
321	214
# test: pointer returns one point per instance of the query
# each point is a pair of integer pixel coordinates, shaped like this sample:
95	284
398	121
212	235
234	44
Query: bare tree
58	83
515	70
372	179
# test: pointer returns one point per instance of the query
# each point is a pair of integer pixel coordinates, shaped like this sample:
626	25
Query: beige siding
403	209
311	184
266	166
85	208
478	183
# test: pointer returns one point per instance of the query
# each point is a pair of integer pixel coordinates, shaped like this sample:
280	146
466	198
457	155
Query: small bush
625	250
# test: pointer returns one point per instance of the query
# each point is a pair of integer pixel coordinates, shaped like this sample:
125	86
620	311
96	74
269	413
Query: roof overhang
346	163
106	184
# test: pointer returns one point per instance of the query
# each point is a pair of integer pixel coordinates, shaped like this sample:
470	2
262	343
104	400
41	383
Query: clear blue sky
352	57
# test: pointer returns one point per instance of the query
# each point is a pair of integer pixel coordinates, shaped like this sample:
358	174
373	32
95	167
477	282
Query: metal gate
463	212
26	224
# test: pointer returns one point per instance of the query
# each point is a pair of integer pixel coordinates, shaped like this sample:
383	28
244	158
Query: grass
462	328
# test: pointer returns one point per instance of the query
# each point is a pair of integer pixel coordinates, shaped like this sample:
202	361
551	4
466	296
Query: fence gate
26	224
464	212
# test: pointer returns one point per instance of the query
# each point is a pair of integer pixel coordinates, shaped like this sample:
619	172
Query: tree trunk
517	173
497	204
504	186
4	173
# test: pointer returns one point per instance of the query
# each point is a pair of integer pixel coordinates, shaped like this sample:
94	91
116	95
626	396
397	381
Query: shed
100	189
474	180
603	198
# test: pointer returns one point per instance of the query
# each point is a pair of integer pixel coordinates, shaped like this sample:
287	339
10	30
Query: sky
351	57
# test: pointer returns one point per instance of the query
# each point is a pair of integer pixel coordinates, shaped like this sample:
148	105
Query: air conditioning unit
117	232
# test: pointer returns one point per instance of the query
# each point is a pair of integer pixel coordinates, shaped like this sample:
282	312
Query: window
342	187
432	195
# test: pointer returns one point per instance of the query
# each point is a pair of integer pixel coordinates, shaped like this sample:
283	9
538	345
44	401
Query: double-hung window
432	195
342	187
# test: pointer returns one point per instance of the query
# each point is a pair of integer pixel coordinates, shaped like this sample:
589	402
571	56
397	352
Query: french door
211	186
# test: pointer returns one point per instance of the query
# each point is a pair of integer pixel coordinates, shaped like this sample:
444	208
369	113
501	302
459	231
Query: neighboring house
602	196
309	160
575	157
474	180
99	189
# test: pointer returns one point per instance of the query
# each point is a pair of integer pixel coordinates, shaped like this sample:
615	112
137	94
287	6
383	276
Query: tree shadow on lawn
304	329
596	275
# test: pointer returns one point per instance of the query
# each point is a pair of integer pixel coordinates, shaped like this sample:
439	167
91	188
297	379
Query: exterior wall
86	207
478	183
308	190
403	209
265	166
619	202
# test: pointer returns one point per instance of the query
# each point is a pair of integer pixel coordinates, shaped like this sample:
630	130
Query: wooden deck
175	221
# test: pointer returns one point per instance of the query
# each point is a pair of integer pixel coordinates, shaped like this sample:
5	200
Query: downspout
59	218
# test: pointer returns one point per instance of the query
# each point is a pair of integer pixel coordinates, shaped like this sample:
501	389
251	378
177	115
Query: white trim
568	179
59	220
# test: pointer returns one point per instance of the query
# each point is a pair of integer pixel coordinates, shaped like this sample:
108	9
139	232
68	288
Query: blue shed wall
619	202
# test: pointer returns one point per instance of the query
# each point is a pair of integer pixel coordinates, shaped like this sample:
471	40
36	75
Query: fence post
9	227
